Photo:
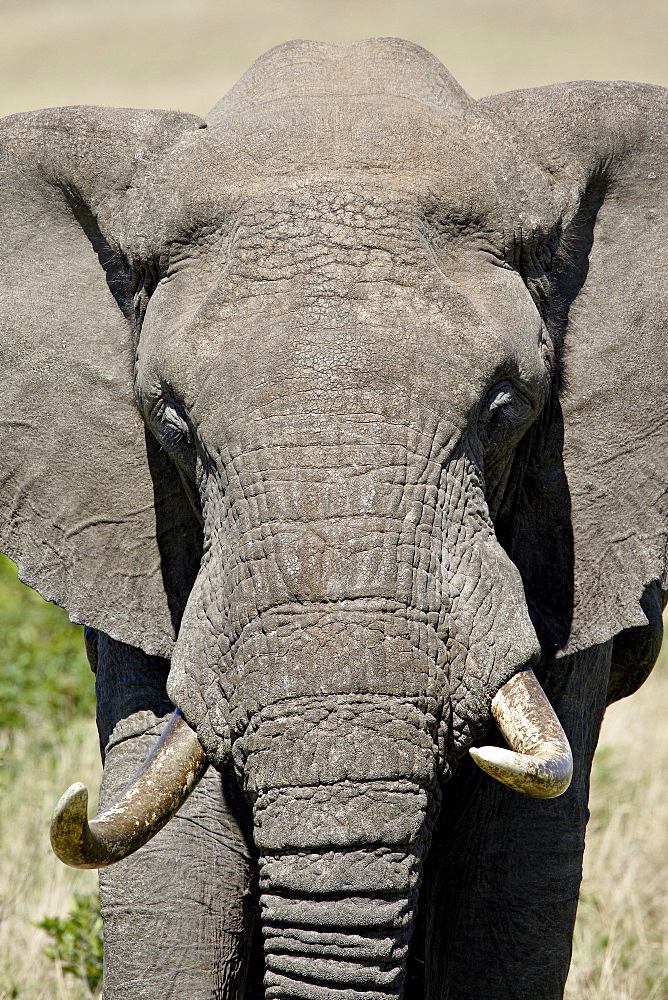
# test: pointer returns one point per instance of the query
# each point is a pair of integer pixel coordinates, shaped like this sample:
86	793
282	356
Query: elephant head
351	400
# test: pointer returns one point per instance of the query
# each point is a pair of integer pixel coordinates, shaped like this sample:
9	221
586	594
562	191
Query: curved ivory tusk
539	762
149	800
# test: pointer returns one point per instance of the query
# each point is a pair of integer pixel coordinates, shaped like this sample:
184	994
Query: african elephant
339	418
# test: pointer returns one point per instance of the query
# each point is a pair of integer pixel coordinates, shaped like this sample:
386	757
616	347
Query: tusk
539	762
149	800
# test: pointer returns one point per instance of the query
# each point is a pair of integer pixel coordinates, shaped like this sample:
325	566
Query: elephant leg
178	914
502	879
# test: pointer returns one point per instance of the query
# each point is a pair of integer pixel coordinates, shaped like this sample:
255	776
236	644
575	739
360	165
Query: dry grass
36	768
621	946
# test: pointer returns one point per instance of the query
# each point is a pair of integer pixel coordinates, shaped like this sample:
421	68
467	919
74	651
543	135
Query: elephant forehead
410	150
288	276
327	292
374	133
318	353
391	66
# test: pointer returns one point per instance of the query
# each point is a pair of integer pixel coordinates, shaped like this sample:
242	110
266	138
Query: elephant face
328	366
334	481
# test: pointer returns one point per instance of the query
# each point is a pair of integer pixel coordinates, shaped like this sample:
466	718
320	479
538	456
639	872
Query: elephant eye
505	414
172	426
502	395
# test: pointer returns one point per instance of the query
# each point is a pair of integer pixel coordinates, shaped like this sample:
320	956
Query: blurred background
184	54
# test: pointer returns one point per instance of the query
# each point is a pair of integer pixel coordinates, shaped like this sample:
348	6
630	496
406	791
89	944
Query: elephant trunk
338	921
344	797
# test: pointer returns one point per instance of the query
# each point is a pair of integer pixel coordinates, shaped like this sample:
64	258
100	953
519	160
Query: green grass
42	661
76	941
47	740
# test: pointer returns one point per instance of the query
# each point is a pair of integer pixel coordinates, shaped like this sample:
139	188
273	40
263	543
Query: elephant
340	420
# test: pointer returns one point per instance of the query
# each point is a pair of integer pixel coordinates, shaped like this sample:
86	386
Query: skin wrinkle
233	651
314	719
257	518
274	302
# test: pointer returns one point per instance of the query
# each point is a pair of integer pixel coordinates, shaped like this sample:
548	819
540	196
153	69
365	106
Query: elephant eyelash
507	418
503	396
174	437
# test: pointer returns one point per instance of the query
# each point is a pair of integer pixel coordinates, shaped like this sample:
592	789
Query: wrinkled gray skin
402	360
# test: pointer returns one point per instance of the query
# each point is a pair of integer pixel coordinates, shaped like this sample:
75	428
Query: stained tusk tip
74	799
539	779
539	762
70	814
156	791
69	823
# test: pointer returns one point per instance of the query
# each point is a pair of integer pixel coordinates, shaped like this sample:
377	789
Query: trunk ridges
351	814
344	799
337	924
330	739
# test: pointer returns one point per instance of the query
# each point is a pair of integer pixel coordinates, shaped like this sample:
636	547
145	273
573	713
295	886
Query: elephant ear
90	509
604	149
